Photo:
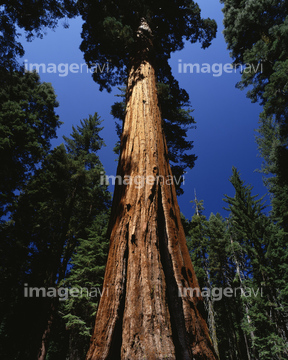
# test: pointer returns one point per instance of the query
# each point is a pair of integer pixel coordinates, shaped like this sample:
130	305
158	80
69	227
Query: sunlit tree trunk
141	315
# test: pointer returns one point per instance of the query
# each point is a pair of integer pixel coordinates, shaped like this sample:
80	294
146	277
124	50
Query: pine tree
264	320
256	33
273	149
86	274
27	124
209	246
148	256
228	309
198	245
55	208
31	16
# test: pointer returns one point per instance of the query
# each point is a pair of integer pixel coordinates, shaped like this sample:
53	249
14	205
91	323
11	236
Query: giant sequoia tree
143	317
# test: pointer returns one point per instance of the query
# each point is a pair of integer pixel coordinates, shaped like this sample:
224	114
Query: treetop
110	33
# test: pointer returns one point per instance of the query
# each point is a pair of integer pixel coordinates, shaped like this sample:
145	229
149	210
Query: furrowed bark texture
140	314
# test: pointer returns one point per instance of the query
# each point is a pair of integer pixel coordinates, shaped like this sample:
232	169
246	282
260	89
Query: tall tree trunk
42	352
208	300
61	266
211	317
141	316
242	287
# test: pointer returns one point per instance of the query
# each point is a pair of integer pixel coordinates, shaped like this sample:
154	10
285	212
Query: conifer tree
208	243
31	16
27	124
86	274
54	210
265	320
246	253
198	245
273	149
148	257
228	309
256	33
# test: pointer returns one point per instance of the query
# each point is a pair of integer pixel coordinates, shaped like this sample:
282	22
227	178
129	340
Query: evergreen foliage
197	243
257	235
256	33
53	212
27	124
110	32
31	16
87	272
246	253
273	149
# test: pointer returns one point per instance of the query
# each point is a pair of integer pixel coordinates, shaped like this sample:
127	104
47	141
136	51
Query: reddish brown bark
45	337
140	315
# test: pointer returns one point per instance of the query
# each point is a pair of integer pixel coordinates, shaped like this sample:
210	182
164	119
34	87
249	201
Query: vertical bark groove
183	352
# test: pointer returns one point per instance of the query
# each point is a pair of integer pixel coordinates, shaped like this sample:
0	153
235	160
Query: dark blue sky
226	119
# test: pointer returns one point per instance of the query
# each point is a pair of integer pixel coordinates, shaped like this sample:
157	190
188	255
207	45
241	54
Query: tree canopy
27	106
59	203
110	33
33	16
257	33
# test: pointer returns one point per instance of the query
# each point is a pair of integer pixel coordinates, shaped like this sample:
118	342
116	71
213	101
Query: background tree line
247	252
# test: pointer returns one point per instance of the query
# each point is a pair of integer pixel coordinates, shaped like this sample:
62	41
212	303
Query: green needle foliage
87	274
208	243
33	16
54	211
273	149
266	315
247	254
197	243
257	34
110	33
27	124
